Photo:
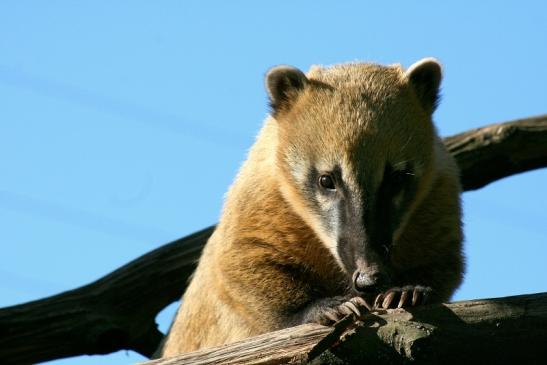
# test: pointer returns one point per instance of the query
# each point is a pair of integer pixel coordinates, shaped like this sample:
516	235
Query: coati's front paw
331	310
406	296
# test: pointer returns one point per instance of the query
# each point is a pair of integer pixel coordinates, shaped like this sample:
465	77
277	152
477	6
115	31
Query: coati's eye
327	182
399	179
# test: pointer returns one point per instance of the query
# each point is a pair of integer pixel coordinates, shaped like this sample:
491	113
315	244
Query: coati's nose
368	282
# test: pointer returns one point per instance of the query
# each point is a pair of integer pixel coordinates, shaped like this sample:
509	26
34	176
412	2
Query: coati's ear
283	84
425	76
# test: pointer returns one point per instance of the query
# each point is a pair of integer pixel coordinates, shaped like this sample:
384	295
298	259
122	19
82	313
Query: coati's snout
366	262
370	276
369	281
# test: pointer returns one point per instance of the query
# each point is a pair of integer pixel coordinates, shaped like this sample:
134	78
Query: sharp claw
360	302
403	299
378	300
344	309
331	315
415	296
388	299
353	308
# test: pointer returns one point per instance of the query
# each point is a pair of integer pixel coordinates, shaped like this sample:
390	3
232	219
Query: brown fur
271	255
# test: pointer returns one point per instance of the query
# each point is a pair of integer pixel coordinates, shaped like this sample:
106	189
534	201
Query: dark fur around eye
396	180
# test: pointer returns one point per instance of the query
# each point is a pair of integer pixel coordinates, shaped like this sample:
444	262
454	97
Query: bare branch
496	151
115	312
509	330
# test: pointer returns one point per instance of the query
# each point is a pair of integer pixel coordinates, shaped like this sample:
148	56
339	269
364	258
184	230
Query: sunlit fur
273	253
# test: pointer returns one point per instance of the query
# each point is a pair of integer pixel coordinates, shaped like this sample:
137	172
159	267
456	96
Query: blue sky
123	123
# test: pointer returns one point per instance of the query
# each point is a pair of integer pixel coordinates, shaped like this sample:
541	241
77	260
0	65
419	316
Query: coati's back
348	193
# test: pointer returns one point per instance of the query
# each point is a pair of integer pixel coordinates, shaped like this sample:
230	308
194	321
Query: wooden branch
118	311
279	347
115	312
496	151
509	330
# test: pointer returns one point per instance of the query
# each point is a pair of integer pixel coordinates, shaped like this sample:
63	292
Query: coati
348	192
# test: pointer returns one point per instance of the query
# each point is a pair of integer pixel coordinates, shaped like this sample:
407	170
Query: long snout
370	277
369	282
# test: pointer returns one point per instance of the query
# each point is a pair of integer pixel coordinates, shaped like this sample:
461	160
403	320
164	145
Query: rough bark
490	153
115	312
118	311
509	330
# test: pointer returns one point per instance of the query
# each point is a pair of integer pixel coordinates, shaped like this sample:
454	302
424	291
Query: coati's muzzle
369	281
367	264
369	241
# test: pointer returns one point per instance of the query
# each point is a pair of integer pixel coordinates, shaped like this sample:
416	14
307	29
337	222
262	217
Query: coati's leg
406	296
327	311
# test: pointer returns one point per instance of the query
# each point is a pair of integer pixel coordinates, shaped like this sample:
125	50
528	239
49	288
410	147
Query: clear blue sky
123	123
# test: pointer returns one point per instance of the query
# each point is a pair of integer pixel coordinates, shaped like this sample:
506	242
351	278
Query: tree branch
115	312
118	311
509	330
490	153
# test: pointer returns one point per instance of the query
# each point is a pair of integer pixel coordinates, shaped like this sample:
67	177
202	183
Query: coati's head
355	154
